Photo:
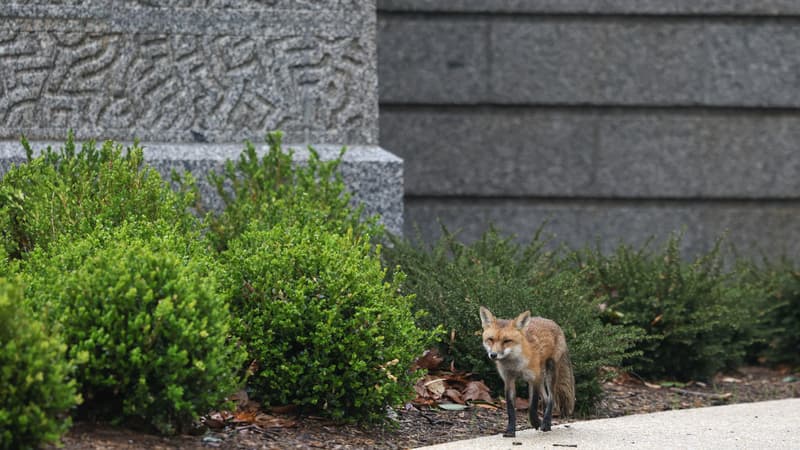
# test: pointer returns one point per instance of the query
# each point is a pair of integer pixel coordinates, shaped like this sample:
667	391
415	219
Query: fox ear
522	320
487	318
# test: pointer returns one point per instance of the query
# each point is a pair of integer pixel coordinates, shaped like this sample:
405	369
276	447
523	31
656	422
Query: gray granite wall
191	77
614	119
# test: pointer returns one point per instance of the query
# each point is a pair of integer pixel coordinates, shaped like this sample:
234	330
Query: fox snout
494	355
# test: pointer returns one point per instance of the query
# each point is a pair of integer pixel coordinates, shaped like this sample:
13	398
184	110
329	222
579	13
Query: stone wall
190	78
612	119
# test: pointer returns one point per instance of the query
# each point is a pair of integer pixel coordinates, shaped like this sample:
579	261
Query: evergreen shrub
778	311
36	391
274	187
698	318
71	192
450	280
140	309
328	333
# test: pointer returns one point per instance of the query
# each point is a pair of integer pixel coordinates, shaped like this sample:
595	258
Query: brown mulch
427	425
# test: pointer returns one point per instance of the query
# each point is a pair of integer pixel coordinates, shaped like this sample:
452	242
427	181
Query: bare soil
426	426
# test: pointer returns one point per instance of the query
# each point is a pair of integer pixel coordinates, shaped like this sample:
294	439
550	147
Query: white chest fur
515	367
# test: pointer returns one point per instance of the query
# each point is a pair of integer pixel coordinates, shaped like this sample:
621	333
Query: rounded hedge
35	389
70	192
328	333
139	308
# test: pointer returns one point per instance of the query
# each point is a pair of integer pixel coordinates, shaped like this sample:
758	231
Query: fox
533	349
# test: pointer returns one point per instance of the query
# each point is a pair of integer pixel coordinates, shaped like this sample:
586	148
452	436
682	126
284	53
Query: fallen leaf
454	395
485	405
429	360
244	417
477	390
457	379
214	423
217	420
420	401
436	387
212	441
270	421
421	390
452	406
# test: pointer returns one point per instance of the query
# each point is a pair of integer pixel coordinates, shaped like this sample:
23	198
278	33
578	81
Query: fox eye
506	341
490	341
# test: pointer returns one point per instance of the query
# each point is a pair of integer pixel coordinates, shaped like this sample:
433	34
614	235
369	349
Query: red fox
535	350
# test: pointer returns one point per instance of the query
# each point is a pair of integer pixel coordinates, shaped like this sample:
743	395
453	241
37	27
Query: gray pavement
762	425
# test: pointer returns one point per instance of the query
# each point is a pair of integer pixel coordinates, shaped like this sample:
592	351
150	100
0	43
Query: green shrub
451	280
698	319
35	389
328	333
6	265
778	311
273	188
140	309
70	192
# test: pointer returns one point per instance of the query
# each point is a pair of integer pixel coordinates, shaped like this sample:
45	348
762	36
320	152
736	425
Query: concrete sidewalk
763	425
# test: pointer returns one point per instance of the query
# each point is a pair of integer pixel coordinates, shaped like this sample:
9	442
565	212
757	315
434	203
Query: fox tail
565	386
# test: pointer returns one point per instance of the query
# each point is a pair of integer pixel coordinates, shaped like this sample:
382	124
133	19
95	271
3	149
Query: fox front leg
511	395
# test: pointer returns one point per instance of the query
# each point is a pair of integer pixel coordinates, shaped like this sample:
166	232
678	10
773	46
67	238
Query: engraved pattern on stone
181	86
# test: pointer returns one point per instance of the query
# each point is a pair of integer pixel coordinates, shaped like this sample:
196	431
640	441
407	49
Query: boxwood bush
274	187
36	391
450	280
698	317
71	192
328	333
140	310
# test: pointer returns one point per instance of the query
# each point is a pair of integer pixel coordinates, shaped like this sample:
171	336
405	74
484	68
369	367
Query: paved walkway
763	425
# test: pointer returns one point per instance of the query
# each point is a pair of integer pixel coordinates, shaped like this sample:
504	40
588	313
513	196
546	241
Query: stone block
567	153
491	152
754	228
432	61
572	61
576	61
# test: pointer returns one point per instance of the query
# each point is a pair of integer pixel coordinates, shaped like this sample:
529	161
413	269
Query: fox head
503	338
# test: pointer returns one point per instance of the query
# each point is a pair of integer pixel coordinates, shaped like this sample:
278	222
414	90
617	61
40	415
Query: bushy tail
565	386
